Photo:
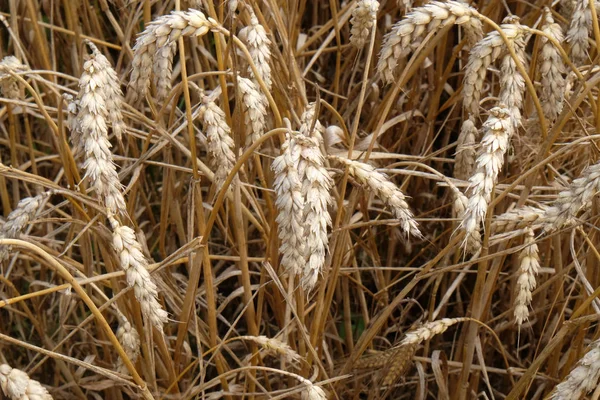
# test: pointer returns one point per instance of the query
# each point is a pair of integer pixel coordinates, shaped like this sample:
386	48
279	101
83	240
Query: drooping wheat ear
310	125
583	378
459	206
219	141
256	40
254	105
164	31
312	391
552	70
130	340
518	218
91	132
386	190
135	265
399	362
407	34
483	54
290	206
9	86
579	31
19	218
17	385
512	83
276	346
528	269
364	16
464	162
163	70
571	201
316	187
113	96
429	330
497	131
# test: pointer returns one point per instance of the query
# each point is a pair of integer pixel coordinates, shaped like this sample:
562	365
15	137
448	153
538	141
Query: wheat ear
512	83
254	105
276	346
528	269
583	378
518	218
135	265
312	391
579	31
113	96
316	186
385	189
90	129
364	16
159	33
17	385
483	54
407	34
8	85
219	141
130	340
19	218
459	206
162	69
290	206
497	131
571	201
552	69
310	125
429	330
464	162
256	40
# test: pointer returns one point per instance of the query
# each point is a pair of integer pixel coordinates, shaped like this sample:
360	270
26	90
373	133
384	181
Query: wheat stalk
17	385
583	378
254	106
497	131
526	282
483	54
164	31
219	141
290	206
407	34
385	189
254	36
364	16
552	69
135	265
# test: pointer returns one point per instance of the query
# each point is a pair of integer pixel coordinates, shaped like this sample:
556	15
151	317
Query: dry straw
407	34
219	141
254	106
386	190
364	16
529	267
583	378
483	54
552	69
135	265
254	36
497	131
158	35
90	131
17	385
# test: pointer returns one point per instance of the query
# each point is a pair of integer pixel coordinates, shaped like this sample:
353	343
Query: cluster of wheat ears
269	199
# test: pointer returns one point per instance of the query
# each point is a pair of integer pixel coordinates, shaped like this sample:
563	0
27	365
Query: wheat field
299	199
